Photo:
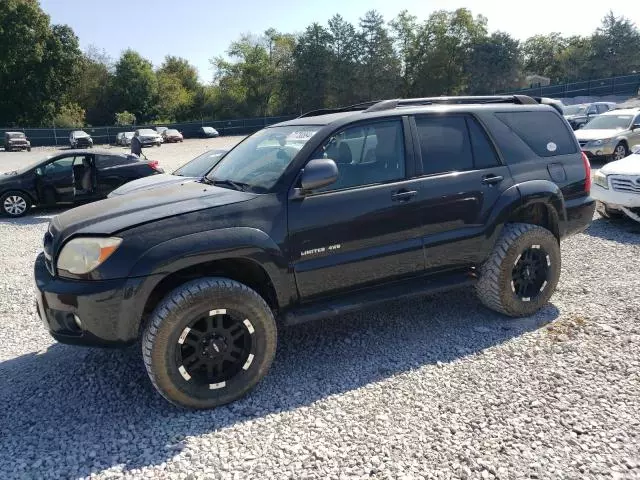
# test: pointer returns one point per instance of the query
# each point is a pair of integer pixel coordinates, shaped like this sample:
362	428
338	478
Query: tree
616	47
70	115
135	86
443	48
342	87
91	88
125	118
494	64
405	27
380	73
36	63
542	55
312	67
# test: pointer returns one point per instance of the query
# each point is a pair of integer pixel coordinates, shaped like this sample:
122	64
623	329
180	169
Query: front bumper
615	199
600	151
110	311
579	215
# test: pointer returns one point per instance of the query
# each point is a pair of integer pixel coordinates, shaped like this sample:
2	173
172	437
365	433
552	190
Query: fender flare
525	194
222	244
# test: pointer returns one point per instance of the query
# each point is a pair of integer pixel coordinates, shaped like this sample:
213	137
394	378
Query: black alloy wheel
530	273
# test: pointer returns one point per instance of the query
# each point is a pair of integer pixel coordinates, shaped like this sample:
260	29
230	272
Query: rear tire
15	204
192	343
522	271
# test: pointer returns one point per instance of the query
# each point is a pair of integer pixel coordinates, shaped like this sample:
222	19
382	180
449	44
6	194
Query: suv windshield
199	166
609	122
259	161
574	109
80	133
15	135
147	131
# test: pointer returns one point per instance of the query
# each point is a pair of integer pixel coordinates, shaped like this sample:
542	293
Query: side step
360	299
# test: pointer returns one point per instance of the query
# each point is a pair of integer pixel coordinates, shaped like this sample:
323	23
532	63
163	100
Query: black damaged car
69	178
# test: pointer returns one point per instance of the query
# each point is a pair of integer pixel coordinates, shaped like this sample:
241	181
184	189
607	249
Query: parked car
148	137
616	187
80	139
314	217
16	141
579	115
124	138
208	132
609	136
172	135
69	178
192	170
161	130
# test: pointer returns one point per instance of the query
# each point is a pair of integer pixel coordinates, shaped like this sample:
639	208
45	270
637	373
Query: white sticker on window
552	147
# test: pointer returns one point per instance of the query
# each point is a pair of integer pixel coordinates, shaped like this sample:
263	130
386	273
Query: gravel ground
433	388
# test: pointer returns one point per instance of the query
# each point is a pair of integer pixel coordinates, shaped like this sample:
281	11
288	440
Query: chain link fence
53	136
627	85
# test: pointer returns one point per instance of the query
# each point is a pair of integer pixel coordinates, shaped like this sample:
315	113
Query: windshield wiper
229	183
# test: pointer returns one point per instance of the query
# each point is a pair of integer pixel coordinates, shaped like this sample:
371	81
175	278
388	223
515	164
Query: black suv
324	214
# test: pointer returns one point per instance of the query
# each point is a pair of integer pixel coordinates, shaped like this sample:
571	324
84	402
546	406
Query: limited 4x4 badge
315	251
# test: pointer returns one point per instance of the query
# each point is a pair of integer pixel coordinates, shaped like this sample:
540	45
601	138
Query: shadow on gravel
616	230
76	411
36	217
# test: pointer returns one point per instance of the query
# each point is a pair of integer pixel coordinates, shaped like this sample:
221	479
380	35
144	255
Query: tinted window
591	110
62	165
366	154
544	132
602	108
199	166
444	142
484	155
106	161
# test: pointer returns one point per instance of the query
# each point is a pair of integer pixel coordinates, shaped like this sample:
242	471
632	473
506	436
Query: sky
199	30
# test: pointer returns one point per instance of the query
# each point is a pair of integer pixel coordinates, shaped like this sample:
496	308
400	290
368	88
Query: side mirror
318	173
635	126
38	171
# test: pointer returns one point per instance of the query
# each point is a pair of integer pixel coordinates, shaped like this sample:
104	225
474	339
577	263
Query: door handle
403	195
492	179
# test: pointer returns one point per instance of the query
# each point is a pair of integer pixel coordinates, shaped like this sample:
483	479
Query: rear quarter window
107	161
544	132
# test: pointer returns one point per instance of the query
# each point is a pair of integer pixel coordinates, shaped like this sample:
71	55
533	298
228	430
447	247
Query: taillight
587	172
154	164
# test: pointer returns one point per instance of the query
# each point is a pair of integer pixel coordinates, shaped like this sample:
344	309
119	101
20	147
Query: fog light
77	320
599	152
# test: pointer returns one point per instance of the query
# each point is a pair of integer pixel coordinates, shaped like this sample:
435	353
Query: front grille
626	184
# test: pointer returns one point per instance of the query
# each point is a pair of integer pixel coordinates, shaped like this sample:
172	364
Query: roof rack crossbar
391	104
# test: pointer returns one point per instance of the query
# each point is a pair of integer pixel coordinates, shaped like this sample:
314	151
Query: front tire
209	342
522	271
621	151
15	204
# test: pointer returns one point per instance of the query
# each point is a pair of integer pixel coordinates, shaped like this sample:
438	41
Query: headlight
601	142
82	255
601	179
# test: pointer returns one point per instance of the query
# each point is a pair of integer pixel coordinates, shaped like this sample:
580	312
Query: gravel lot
434	388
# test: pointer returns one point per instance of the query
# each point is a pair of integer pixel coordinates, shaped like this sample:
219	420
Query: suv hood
147	183
597	134
109	216
627	166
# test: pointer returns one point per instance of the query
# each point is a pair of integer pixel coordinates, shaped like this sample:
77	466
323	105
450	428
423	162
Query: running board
413	287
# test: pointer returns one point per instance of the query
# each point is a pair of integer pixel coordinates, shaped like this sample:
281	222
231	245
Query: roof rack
409	102
325	111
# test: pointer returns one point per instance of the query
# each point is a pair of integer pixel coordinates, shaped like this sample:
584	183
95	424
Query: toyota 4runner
317	216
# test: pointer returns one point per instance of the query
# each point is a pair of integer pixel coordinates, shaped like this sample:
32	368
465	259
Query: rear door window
444	144
484	155
106	161
544	132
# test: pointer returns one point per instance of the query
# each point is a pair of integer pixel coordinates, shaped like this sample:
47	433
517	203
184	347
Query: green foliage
45	78
36	63
125	118
135	85
70	115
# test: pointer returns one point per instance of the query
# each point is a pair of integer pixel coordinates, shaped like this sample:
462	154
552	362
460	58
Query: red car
172	136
